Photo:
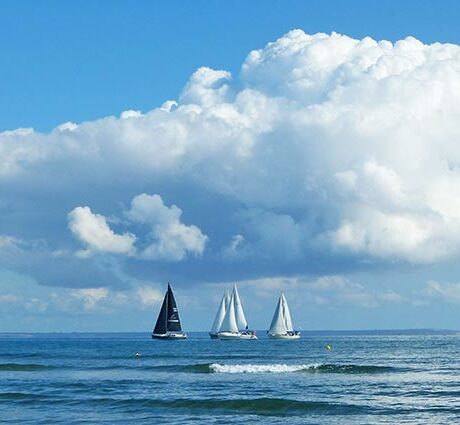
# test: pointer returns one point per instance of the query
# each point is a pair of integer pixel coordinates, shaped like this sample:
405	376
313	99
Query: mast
220	314
241	321
173	321
161	325
278	325
229	322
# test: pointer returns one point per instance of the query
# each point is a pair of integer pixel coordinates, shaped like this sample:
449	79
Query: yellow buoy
328	347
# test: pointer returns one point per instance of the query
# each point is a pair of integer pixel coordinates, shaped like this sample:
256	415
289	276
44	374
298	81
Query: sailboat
168	323
234	324
223	306
281	326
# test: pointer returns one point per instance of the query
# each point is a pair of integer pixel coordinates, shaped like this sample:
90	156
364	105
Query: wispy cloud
332	290
448	292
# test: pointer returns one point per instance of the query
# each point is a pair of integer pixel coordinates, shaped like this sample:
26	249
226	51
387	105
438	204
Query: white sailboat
281	326
223	306
234	324
241	321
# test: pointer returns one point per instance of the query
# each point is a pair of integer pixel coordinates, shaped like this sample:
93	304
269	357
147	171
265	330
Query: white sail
229	322
227	299
220	314
240	317
278	325
287	314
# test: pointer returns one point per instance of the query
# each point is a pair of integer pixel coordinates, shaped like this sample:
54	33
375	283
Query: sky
305	147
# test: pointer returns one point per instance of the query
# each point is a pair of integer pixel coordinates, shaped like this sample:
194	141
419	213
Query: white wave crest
261	368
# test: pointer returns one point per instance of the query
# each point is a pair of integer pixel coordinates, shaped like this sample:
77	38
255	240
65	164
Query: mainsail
241	321
220	313
168	319
229	322
278	325
173	323
227	299
281	322
287	314
161	325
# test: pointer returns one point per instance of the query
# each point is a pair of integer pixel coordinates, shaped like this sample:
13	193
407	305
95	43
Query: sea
384	377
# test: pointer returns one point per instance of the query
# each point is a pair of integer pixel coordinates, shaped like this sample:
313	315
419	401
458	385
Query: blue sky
74	61
143	142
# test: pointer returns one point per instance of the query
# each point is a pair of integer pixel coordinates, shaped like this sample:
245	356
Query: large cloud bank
323	146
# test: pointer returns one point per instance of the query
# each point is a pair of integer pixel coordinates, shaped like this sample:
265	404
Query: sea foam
308	368
261	368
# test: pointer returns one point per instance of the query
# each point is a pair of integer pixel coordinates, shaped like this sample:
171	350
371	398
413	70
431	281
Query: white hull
170	335
235	335
284	336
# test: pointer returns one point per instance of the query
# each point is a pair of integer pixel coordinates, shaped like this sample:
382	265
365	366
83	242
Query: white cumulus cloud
170	238
94	231
323	146
167	238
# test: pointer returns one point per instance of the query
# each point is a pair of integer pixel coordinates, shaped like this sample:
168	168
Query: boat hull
284	336
170	336
235	336
213	336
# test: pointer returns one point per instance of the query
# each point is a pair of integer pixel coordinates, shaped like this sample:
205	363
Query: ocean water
366	378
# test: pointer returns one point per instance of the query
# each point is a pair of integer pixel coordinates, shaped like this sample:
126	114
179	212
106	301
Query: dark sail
173	323
161	325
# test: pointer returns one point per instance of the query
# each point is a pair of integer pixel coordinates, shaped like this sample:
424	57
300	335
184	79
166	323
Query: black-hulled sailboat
168	323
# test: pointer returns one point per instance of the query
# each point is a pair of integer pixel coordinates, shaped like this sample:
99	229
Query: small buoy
138	354
328	347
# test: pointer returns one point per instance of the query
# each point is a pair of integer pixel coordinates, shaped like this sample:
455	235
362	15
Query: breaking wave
289	368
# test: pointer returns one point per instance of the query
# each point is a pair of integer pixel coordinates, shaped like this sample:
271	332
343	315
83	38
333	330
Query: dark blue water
365	379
